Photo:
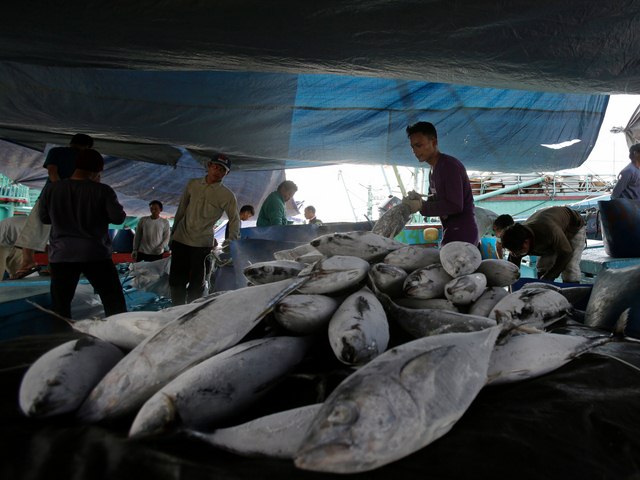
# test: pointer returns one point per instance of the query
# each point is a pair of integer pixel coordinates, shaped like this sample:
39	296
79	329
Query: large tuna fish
61	379
427	282
221	386
294	253
430	321
334	274
213	327
465	289
389	279
305	314
128	329
359	331
392	221
366	245
460	258
499	273
614	291
536	307
485	303
398	403
277	436
274	271
427	303
412	257
527	356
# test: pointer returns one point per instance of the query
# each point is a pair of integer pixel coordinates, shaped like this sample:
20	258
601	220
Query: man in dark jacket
557	235
79	210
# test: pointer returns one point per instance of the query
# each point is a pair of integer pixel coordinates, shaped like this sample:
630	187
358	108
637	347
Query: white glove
414	204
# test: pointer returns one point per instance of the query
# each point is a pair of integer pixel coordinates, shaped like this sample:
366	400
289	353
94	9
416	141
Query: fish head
352	433
356	348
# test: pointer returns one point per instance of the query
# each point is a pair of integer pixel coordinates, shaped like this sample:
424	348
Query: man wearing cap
202	204
60	164
79	210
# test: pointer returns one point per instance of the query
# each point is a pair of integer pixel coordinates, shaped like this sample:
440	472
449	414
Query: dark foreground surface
581	421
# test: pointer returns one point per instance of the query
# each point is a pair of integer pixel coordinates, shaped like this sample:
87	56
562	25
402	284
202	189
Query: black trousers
102	276
187	273
147	257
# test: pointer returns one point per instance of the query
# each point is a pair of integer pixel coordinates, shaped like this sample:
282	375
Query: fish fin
422	366
621	323
613	357
51	312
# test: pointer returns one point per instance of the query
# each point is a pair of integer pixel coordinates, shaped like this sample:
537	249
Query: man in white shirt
152	235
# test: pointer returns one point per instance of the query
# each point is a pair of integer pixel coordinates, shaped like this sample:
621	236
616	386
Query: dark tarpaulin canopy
287	84
266	121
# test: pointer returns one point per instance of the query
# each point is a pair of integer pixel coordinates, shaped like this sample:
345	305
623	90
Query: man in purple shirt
450	196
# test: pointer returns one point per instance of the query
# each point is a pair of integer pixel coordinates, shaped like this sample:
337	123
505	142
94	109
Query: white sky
324	187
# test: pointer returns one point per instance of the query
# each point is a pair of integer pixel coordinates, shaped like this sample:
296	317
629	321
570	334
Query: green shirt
273	211
201	206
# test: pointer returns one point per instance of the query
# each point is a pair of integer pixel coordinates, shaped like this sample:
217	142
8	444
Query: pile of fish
420	331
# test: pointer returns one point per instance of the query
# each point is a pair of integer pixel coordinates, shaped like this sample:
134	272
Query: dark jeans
186	276
146	257
102	275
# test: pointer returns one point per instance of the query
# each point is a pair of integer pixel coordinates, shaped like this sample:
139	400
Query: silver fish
392	221
614	291
274	271
334	274
536	307
428	303
221	386
530	355
389	278
465	289
548	286
398	403
425	322
460	258
412	257
213	327
294	253
276	436
125	330
365	245
358	330
305	314
485	303
499	273
60	380
310	257
427	282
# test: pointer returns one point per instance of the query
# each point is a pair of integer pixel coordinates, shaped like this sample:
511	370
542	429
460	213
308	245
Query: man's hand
414	204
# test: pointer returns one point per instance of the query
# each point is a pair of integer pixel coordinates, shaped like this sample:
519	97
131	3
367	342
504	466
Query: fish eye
343	414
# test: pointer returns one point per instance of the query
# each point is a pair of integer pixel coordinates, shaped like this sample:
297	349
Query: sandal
23	272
